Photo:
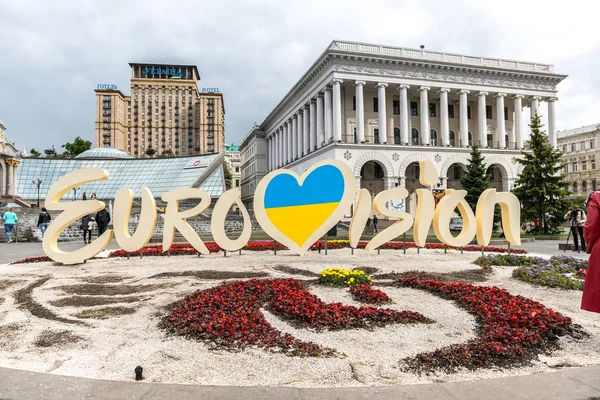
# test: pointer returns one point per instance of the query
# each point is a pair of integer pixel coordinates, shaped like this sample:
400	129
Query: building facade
253	155
165	112
234	162
382	109
10	158
579	157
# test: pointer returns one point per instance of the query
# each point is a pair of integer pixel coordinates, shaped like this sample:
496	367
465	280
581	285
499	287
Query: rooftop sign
106	86
169	71
210	90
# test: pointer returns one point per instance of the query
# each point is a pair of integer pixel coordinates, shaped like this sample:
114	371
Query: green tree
150	151
227	175
540	187
34	153
77	147
475	180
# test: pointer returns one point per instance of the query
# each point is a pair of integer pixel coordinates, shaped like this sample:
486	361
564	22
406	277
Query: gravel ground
111	348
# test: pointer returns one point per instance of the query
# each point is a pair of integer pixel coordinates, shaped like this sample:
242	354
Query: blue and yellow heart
297	211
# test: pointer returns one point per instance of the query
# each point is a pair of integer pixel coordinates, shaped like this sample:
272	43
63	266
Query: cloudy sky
54	52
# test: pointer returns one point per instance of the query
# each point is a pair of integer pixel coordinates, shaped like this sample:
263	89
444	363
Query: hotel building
166	112
382	109
579	157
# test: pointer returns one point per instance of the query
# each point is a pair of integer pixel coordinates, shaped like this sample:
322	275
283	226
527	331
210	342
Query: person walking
590	300
84	196
44	220
375	221
10	220
86	227
102	219
576	218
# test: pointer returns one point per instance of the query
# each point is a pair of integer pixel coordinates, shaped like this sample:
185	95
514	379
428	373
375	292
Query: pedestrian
577	218
84	196
375	221
44	220
102	219
86	227
591	288
93	196
10	220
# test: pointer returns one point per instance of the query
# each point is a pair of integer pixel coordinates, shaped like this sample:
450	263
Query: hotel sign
105	86
210	90
169	71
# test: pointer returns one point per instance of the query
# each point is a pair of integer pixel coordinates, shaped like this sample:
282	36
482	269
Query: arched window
433	137
575	187
470	139
584	187
396	135
452	137
594	185
414	136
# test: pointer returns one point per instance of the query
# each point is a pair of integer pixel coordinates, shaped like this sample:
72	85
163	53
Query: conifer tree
475	180
540	187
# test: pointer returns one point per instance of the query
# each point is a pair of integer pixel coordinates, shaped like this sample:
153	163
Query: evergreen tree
540	187
475	180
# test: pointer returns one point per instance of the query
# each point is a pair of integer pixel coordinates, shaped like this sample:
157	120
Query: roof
106	153
232	147
578	131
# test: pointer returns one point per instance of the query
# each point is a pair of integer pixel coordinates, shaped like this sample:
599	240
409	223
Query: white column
305	132
320	121
299	132
518	121
444	124
500	124
290	139
3	180
535	106
269	154
16	180
295	137
424	117
481	119
464	119
284	145
337	110
381	115
314	143
328	116
10	181
552	120
404	113
278	149
360	111
275	149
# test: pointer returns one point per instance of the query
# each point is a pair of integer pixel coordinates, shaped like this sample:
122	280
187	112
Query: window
468	112
376	135
414	108
354	103
506	114
396	135
237	183
594	185
470	137
450	110
414	135
396	107
375	104
488	112
564	148
237	169
573	147
432	110
593	163
355	136
452	137
575	187
433	137
584	166
581	145
584	187
574	167
592	144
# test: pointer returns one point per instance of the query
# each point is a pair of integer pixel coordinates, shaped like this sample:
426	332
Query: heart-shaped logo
297	210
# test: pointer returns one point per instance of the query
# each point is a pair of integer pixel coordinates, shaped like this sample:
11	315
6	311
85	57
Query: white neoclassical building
382	109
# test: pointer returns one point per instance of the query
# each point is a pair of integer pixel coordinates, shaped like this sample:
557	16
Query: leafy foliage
540	187
77	147
150	152
34	153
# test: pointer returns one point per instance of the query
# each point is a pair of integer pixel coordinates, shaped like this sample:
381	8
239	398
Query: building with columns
10	158
382	109
579	157
253	156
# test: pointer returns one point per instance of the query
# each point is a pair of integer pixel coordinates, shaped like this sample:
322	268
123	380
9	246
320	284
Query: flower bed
229	317
511	329
506	260
366	294
559	271
343	277
30	260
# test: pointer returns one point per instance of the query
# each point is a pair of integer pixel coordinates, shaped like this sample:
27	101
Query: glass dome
105	153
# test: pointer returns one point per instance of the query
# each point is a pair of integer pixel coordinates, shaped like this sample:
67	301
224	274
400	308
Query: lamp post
38	182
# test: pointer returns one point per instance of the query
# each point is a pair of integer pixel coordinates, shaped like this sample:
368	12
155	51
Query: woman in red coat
591	233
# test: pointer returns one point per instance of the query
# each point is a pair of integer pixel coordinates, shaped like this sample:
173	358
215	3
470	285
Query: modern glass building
160	175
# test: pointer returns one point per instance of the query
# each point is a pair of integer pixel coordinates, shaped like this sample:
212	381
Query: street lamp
38	182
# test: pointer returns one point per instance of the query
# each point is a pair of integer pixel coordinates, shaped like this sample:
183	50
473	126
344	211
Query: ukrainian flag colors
298	211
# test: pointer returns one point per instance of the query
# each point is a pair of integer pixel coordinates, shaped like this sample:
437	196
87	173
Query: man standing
10	219
576	218
375	221
102	219
44	220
